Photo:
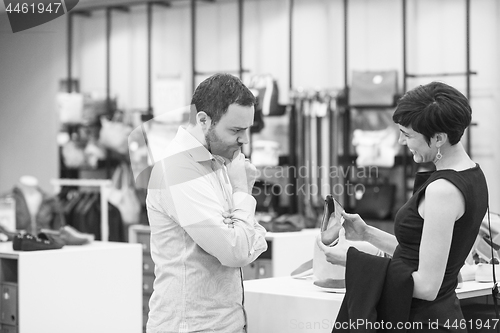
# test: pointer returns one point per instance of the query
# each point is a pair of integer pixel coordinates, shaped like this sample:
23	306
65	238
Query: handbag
95	107
70	106
376	201
123	196
265	89
114	135
73	154
266	195
376	148
373	88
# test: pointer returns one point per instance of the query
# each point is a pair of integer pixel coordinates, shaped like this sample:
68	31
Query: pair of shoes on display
29	242
66	235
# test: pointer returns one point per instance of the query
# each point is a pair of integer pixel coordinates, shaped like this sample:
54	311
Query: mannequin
28	185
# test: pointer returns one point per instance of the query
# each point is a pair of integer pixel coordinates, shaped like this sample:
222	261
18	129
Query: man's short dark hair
434	108
215	94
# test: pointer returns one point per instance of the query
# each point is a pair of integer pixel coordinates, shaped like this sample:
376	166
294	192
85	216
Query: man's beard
214	141
210	137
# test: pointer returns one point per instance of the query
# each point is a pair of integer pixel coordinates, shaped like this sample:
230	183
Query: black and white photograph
249	166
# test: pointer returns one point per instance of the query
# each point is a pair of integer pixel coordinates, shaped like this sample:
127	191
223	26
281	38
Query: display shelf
285	252
87	288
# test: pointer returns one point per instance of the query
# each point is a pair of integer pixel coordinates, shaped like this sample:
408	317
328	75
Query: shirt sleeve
193	202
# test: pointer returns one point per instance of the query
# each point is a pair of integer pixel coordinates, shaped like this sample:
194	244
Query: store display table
286	305
285	252
79	289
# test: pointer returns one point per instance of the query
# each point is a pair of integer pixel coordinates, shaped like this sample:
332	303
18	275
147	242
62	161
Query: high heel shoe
330	228
328	209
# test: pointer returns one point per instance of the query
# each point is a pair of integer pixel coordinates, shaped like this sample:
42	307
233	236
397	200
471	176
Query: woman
436	229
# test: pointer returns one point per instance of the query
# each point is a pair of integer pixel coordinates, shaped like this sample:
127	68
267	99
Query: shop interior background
33	62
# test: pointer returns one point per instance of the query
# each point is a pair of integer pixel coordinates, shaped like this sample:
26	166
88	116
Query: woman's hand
354	226
336	254
228	219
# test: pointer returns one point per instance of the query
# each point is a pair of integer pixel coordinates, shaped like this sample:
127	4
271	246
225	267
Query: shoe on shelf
67	235
71	236
29	242
51	236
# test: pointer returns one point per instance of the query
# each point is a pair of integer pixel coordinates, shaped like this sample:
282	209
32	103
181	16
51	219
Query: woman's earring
438	156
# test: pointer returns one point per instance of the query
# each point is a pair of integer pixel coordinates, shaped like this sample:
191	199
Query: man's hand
242	174
228	219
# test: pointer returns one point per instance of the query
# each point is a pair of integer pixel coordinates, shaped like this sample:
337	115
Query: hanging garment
123	194
69	200
49	215
83	212
313	162
325	144
74	214
316	133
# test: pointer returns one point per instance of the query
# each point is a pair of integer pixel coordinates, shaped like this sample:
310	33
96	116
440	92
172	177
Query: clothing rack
104	187
317	126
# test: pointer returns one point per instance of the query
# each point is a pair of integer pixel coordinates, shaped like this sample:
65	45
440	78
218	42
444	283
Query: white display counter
79	289
291	249
286	305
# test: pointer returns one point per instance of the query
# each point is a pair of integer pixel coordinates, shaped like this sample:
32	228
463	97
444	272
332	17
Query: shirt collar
192	146
219	159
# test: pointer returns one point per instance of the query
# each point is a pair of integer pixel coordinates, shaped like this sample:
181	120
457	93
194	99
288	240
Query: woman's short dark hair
215	94
434	108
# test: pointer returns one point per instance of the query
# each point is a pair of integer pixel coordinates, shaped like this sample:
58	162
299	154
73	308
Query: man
201	213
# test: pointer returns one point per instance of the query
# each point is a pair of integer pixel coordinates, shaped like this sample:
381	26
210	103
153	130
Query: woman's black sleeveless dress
445	310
